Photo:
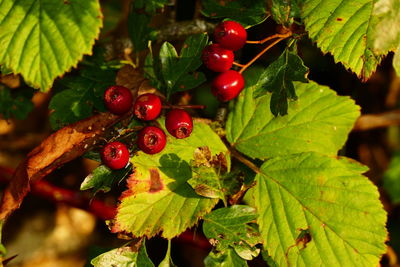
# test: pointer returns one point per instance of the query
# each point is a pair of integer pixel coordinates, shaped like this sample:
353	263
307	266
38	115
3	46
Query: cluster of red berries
229	36
150	139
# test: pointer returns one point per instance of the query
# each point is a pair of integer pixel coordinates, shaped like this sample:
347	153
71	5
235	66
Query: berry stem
244	160
248	64
278	35
238	64
184	106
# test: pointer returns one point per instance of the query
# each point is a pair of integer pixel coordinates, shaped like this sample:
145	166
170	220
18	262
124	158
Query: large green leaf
42	39
158	196
231	227
15	103
123	257
316	210
318	121
278	78
247	12
345	29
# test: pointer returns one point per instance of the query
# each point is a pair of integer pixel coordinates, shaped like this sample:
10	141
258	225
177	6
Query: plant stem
238	64
263	51
245	161
284	35
184	106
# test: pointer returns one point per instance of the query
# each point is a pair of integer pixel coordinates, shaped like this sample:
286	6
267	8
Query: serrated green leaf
102	178
231	227
318	121
391	178
246	12
227	259
278	78
345	29
123	257
179	72
316	210
42	39
15	103
81	95
158	196
284	11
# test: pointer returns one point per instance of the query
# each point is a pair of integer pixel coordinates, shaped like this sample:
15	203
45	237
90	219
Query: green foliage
278	78
228	258
345	29
167	261
246	12
15	103
317	210
150	6
158	196
232	228
102	178
43	39
285	11
171	73
80	95
123	257
319	121
391	179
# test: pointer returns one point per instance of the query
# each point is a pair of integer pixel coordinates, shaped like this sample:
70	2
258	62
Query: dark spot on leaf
155	181
339	19
221	236
213	14
182	86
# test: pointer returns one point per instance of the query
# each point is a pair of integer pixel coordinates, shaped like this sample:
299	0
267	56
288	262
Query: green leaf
396	63
178	72
158	196
318	121
278	78
246	12
391	179
15	103
231	227
150	6
345	29
227	259
42	39
284	11
123	257
317	210
167	261
139	30
80	96
102	178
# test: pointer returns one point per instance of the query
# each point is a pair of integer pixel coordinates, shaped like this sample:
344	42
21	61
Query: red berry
115	155
227	85
179	123
217	58
118	99
151	140
147	107
230	35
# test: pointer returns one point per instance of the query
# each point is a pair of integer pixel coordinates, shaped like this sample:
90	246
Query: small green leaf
15	103
345	29
318	121
158	196
167	261
102	178
177	73
228	258
391	179
278	78
317	210
80	96
42	39
231	227
139	30
123	257
246	12
285	11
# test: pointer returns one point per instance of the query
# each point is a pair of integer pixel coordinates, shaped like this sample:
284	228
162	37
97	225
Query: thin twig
184	106
381	120
284	35
245	161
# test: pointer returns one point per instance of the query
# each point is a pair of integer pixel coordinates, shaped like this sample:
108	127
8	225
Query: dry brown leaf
59	148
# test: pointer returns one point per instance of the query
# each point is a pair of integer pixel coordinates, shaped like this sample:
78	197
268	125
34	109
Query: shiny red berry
230	35
115	155
118	99
179	123
227	85
151	140
147	107
217	58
